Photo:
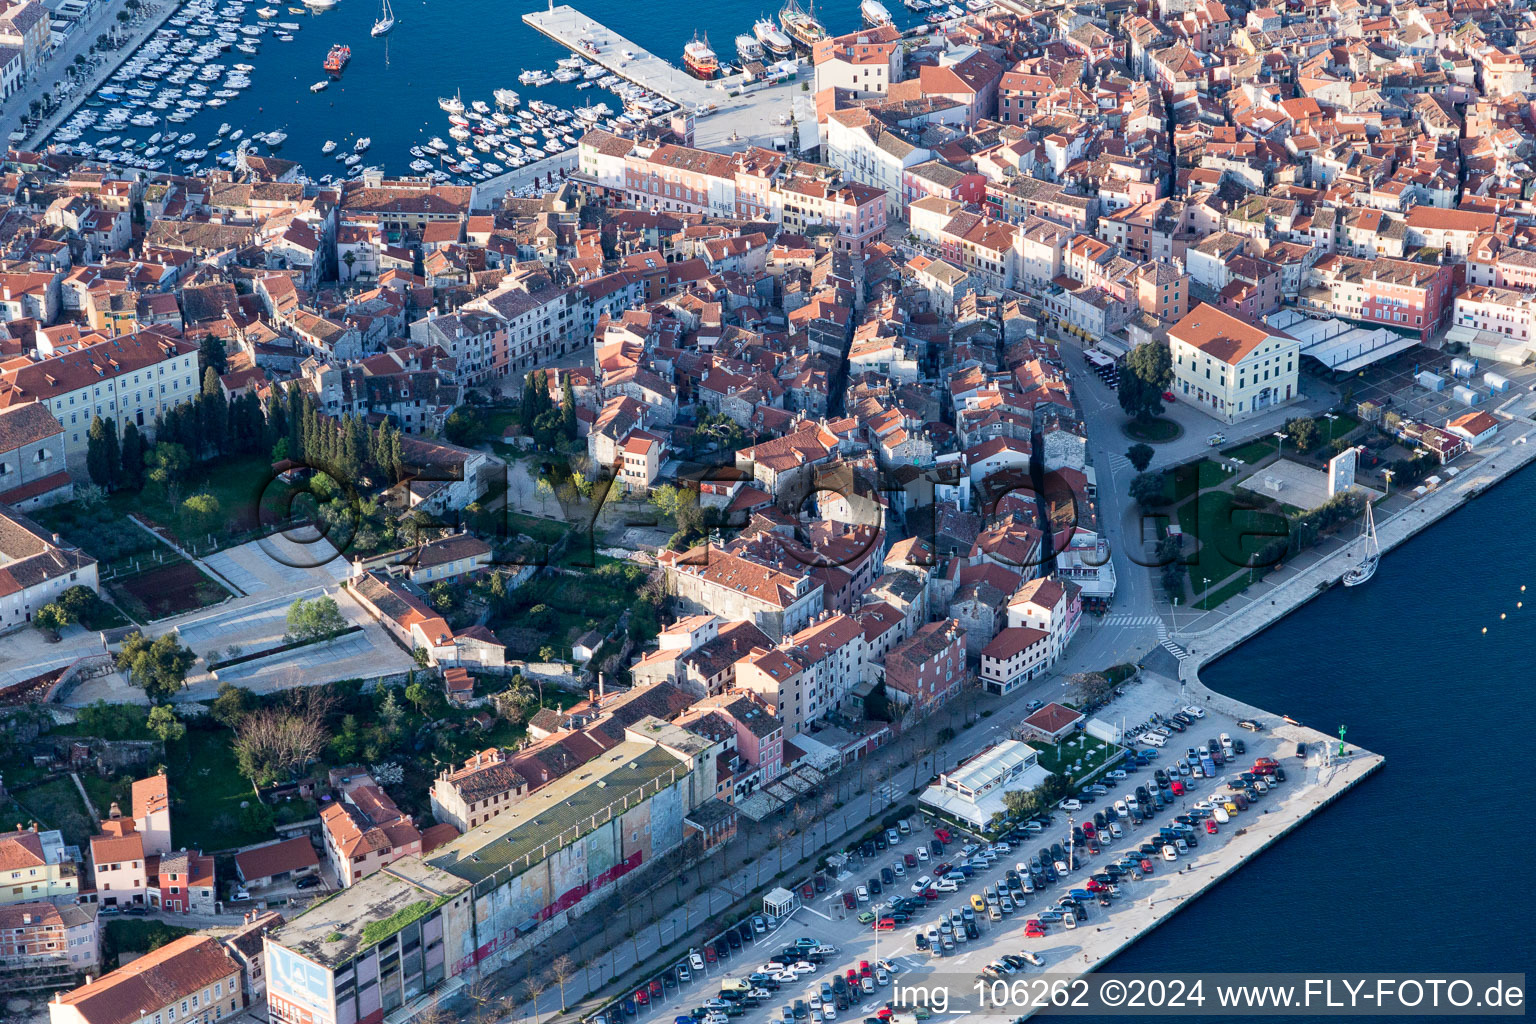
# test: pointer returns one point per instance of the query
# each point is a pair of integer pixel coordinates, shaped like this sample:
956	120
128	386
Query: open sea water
1423	867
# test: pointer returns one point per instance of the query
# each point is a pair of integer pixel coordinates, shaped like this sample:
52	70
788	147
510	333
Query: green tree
463	426
201	514
164	723
1303	433
425	698
1140	456
50	618
211	355
168	464
1149	490
231	705
568	409
390	710
1147	373
1022	803
158	667
669	499
102	460
132	450
315	619
78	602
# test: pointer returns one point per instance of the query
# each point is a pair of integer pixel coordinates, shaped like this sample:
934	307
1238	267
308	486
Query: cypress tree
97	459
132	457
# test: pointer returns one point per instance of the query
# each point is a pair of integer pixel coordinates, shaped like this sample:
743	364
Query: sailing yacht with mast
386	20
1367	567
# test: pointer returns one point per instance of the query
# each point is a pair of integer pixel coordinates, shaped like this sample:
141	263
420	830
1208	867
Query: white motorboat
362	144
875	13
321	86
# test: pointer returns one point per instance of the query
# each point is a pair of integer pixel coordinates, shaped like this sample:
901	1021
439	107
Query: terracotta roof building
193	979
277	862
364	831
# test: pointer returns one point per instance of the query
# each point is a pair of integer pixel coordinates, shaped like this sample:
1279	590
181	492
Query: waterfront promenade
596	42
71	93
1508	453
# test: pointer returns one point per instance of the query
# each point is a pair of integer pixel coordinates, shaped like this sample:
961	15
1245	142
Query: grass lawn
1154	431
57	804
1186	481
103	791
208	789
1253	451
1226	537
1341	424
1234	586
239	483
497	421
556	610
545	531
1091	752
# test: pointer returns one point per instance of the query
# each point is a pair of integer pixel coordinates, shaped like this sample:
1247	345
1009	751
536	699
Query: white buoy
1485	629
1501	616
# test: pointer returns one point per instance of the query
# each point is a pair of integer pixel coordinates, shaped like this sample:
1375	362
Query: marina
392	46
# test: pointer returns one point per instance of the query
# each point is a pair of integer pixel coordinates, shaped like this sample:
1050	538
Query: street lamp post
1279	442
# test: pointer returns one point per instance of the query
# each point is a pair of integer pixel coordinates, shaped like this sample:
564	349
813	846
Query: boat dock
601	45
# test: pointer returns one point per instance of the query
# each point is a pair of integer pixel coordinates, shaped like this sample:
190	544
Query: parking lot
1097	931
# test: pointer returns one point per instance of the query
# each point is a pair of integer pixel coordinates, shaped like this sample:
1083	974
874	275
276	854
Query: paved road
54	79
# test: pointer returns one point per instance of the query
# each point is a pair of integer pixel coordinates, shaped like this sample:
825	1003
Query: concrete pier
601	45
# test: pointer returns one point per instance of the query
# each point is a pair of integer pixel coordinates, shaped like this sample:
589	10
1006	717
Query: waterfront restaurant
973	791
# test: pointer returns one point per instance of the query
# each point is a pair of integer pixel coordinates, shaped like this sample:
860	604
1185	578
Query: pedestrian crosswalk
1127	619
1168	645
1118	462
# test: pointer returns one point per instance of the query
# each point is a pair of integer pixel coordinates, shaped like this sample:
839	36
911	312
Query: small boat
320	5
506	98
700	60
362	144
321	86
385	23
267	12
297	10
800	26
1371	557
275	139
748	48
337	58
329	147
451	104
775	42
875	13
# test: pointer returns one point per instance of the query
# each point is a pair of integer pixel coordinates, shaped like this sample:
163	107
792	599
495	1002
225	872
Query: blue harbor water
388	91
1422	867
